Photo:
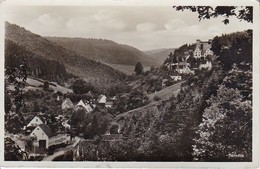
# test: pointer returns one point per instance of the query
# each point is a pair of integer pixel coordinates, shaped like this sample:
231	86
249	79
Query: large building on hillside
203	48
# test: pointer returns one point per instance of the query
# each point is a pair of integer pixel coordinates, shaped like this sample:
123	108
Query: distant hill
159	54
75	64
105	51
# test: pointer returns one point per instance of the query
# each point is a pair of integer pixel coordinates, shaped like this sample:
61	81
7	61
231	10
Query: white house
183	68
87	107
42	133
67	104
35	121
102	99
45	138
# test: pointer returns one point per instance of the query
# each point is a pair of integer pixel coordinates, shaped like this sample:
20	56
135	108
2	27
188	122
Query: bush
156	98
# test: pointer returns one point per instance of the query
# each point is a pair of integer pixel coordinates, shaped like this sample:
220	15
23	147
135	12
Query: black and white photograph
130	83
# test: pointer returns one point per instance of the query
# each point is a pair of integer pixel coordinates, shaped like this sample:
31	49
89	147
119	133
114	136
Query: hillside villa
201	54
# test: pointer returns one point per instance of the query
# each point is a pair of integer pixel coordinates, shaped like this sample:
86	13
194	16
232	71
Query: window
36	120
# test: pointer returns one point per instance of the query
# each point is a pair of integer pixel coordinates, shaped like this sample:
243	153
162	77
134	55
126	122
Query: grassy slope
34	84
127	69
167	92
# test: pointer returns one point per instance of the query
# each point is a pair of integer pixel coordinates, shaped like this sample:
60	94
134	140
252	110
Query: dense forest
104	51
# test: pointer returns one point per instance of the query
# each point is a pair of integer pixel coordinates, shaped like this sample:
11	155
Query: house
36	120
67	104
87	107
202	49
176	78
183	68
42	134
102	99
44	137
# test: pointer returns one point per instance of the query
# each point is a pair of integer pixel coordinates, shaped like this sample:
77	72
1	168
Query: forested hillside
75	64
39	66
104	51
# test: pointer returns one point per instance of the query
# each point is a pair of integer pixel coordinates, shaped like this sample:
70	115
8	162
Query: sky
143	27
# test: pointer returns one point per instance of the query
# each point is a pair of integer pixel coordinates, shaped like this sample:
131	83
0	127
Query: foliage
233	48
225	133
46	85
139	68
18	77
180	53
81	87
114	129
118	89
13	152
89	124
207	12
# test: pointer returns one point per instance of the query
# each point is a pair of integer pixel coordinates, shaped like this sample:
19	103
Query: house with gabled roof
35	121
44	137
87	107
67	104
42	134
102	99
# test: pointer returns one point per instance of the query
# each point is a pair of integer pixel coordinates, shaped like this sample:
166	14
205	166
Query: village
44	133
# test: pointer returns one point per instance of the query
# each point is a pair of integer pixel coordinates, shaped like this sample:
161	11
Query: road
62	151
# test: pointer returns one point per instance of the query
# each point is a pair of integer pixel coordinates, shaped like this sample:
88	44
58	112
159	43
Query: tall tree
139	68
18	77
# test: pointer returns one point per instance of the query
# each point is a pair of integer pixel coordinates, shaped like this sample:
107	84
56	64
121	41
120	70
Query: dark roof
46	129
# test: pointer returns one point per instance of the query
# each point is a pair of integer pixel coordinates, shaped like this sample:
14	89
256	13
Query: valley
85	99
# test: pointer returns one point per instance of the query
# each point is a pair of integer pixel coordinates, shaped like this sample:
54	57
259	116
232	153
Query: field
33	84
167	92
